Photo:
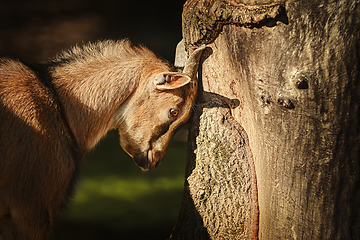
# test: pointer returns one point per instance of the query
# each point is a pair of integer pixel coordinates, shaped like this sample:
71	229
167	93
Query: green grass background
116	200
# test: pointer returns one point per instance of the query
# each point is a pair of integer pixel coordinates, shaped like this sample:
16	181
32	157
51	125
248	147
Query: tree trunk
274	144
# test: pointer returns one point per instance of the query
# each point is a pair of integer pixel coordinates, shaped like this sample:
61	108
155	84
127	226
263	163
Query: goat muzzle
146	161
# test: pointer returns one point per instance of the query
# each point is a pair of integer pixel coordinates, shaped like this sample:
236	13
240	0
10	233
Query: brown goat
53	113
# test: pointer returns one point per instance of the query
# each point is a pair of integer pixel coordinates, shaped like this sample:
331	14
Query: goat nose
147	161
142	162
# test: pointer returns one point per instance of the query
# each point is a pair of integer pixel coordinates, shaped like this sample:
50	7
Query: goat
52	113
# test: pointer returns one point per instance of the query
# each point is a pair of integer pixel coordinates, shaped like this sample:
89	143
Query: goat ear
171	80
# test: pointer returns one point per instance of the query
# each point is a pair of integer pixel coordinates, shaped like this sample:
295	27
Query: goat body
53	113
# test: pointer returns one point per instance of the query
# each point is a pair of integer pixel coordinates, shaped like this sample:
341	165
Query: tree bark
274	144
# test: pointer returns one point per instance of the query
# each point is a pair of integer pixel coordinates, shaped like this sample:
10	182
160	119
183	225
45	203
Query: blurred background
115	199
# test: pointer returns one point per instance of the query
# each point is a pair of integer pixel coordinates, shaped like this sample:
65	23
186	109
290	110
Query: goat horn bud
192	63
188	65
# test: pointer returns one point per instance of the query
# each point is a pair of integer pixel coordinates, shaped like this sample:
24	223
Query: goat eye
174	112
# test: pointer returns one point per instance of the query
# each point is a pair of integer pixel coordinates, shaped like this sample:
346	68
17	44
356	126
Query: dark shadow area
272	22
221	100
95	232
36	30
